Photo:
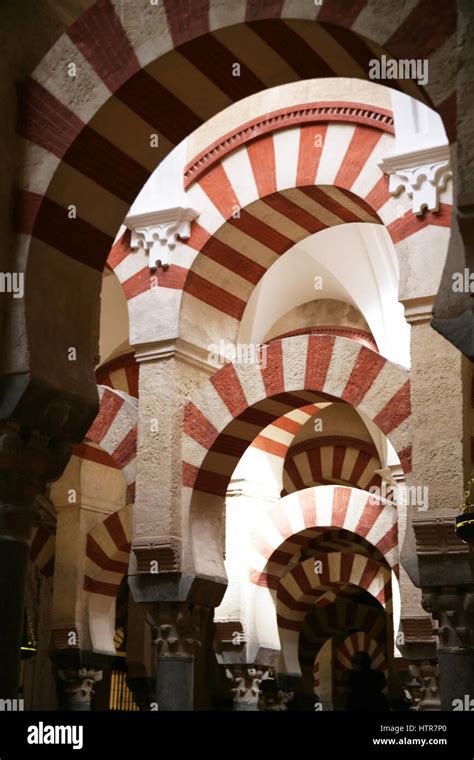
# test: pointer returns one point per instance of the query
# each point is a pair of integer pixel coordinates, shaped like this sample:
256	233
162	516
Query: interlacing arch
222	419
358	642
333	620
306	585
311	517
162	72
331	459
335	366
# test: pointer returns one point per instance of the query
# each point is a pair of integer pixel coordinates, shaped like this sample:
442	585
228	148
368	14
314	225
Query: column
419	650
453	608
15	531
140	666
26	464
176	636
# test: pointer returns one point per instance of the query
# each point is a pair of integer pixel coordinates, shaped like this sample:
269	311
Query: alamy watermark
463	282
404	68
12	282
463	705
400	494
238	353
12	705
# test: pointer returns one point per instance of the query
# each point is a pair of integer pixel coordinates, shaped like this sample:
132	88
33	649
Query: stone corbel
157	232
422	174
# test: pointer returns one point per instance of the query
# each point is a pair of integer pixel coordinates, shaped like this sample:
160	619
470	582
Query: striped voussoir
115	431
266	196
42	549
120	374
107	553
312	542
358	642
227	413
329	507
334	620
276	438
340	575
331	459
168	69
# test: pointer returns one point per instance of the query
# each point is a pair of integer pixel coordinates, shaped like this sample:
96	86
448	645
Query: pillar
15	531
176	636
453	608
419	650
26	464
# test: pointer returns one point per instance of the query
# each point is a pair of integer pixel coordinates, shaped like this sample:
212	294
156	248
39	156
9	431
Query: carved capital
79	684
422	174
157	232
245	683
453	608
176	629
276	701
424	685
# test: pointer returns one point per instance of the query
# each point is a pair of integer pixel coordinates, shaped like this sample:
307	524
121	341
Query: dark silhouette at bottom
364	686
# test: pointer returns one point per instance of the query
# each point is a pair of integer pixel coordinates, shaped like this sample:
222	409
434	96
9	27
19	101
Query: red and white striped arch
115	431
272	192
94	139
277	437
302	588
358	642
278	535
331	621
331	459
106	563
120	55
107	553
120	374
219	422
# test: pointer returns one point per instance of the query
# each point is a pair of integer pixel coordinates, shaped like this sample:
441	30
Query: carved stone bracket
79	685
422	174
176	629
246	680
229	636
158	555
157	232
453	608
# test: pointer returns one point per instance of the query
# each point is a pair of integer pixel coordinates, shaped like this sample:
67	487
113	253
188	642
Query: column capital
157	232
245	683
176	628
421	173
78	686
453	608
